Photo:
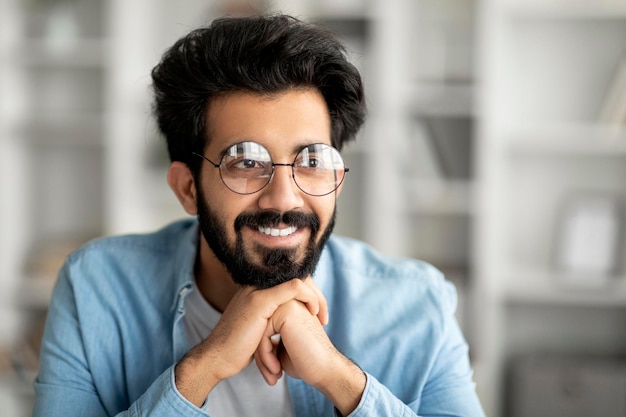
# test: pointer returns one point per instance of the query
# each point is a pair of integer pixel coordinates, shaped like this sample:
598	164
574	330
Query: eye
248	163
311	162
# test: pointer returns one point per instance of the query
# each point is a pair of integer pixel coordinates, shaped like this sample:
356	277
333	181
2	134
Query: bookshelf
547	69
53	66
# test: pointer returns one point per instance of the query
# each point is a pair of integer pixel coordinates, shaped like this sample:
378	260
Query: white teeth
278	232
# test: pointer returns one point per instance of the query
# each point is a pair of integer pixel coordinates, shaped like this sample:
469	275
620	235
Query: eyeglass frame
274	164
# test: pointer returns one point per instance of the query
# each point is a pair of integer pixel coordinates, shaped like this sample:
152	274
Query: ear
181	181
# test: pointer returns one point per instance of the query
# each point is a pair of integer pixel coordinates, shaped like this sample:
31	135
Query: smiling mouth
271	231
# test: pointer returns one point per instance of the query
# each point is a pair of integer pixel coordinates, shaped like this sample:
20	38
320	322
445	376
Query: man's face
276	234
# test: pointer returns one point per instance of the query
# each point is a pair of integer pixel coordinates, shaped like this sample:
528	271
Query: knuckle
294	308
255	299
297	287
296	283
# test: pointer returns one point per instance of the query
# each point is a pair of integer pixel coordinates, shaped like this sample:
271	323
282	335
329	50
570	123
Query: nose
281	194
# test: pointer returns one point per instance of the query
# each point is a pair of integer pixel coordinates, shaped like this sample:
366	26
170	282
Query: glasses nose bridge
274	165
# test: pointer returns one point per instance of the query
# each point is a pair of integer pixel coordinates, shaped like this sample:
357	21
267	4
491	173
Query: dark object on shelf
451	138
568	387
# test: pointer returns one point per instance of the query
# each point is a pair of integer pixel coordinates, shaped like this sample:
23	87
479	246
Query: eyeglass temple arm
206	159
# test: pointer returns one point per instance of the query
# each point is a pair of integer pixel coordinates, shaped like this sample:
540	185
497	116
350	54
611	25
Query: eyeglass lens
247	167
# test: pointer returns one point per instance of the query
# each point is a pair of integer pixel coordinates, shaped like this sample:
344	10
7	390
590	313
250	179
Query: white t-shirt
246	394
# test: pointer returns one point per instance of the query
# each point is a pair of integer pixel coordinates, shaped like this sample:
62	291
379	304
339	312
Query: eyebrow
303	145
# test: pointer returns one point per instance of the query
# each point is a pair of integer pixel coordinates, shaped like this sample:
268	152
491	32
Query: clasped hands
297	311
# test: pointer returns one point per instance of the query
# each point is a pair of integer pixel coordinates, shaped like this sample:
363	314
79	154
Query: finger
309	295
322	315
294	289
269	377
283	356
266	359
266	351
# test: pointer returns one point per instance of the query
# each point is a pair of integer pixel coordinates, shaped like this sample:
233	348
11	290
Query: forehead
283	123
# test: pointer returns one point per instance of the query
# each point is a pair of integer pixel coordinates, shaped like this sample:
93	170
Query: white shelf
567	9
340	15
547	67
36	291
76	130
439	196
583	139
553	288
442	99
339	10
324	9
83	53
16	396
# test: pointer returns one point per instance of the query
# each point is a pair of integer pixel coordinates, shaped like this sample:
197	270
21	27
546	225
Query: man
253	308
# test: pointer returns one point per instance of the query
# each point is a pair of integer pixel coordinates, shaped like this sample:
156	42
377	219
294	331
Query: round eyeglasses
247	167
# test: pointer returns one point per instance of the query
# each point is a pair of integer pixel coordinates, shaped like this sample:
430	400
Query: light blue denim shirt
115	330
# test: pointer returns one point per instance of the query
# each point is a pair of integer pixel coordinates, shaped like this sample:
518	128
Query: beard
277	265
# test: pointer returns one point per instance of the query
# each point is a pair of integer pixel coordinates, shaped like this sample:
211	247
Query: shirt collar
187	236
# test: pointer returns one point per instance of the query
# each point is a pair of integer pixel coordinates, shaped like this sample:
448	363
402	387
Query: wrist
194	380
345	387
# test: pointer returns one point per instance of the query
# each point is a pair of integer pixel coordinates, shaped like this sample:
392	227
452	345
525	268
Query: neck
213	279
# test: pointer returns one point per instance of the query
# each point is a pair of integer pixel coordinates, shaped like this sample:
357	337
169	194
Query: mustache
273	219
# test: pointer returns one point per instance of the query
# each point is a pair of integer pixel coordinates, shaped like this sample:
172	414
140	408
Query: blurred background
495	149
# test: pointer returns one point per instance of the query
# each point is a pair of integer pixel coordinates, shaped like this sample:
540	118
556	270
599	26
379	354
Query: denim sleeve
65	387
161	400
449	390
452	398
378	401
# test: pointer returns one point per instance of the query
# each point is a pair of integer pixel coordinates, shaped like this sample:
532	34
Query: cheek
324	209
228	221
231	205
221	206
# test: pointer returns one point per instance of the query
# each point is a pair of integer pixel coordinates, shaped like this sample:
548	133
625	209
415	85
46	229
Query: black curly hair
261	54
